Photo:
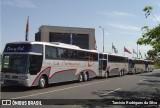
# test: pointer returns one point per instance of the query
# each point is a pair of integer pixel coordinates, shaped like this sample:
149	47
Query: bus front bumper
16	82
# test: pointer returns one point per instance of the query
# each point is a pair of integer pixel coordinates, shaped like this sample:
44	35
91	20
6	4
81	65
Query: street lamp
103	36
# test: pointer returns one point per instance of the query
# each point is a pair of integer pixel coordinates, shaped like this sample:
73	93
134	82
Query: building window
81	40
59	37
38	36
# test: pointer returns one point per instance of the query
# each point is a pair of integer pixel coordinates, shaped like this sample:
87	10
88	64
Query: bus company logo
90	61
6	102
14	49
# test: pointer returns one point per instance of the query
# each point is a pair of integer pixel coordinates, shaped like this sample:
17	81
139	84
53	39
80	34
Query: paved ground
139	86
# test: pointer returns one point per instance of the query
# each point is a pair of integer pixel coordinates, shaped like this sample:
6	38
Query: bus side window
51	52
35	66
95	56
63	53
73	54
81	55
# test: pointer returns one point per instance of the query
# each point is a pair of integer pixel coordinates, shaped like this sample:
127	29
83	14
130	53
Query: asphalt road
138	86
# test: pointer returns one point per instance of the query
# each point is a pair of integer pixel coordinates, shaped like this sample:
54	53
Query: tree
151	36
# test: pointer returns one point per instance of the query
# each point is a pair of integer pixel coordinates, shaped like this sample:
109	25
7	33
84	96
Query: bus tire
106	75
85	76
81	77
87	73
120	73
42	82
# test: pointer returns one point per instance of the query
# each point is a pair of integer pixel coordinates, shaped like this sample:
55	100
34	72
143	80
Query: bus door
102	63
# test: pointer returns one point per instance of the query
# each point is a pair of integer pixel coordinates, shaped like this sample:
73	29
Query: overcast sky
121	19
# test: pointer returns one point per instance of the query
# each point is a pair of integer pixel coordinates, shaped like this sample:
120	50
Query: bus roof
114	54
56	44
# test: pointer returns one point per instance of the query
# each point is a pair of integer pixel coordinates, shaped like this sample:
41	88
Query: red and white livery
41	63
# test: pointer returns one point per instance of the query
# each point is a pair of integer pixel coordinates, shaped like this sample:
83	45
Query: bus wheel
85	76
42	82
120	73
106	75
80	77
123	72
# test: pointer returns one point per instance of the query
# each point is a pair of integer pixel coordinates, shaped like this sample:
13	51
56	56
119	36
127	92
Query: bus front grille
11	82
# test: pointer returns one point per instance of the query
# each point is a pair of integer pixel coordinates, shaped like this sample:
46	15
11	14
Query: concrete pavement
138	86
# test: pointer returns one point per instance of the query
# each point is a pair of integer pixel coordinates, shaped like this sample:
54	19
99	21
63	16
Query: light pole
103	36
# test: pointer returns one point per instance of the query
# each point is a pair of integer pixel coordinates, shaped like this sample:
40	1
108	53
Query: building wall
45	31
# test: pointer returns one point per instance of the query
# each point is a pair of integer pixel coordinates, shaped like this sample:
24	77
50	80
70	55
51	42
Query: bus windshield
22	58
21	63
15	63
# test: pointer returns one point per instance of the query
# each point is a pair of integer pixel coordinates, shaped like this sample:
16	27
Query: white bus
41	63
136	66
149	65
130	65
112	64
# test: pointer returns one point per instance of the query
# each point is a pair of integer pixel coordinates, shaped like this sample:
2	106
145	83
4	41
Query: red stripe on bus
41	73
49	73
62	71
58	72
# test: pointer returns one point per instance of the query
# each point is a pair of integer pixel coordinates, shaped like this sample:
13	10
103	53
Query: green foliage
150	36
147	8
157	65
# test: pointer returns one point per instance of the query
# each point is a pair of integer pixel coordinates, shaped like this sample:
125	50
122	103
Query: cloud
115	14
129	33
20	3
125	27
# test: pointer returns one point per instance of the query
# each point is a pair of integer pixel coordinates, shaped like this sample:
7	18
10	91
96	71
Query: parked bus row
41	63
140	66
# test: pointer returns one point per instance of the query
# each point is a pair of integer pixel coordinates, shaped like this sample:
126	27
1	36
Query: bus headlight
23	77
